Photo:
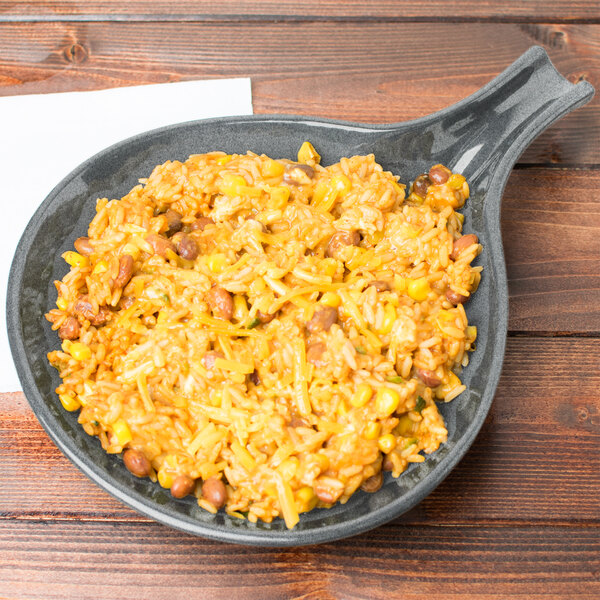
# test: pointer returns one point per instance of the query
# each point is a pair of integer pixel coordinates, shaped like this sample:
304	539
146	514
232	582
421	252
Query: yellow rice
289	419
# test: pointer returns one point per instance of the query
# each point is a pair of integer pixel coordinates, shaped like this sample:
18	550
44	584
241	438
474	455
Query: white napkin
43	137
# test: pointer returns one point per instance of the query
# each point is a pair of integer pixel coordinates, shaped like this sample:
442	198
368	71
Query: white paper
43	137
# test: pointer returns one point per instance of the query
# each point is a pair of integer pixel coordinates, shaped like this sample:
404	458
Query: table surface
520	516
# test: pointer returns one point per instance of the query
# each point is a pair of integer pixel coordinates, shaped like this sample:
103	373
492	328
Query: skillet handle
511	111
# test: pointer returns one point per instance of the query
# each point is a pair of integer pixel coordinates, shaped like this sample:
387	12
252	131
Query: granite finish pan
480	137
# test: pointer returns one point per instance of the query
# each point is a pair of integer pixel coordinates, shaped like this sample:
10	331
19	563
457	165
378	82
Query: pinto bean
327	492
187	247
83	246
220	302
388	465
323	319
215	492
298	174
265	317
340	239
297	421
314	354
462	243
420	185
182	486
136	462
160	244
69	330
372	484
455	298
380	286
173	221
254	378
428	377
83	307
200	223
439	174
126	302
208	360
125	271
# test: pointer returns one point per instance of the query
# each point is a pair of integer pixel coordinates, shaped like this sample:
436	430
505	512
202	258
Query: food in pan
267	335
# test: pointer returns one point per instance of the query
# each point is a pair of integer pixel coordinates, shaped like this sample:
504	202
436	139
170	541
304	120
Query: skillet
480	137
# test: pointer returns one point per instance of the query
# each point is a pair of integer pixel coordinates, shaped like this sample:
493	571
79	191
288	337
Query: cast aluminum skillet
481	137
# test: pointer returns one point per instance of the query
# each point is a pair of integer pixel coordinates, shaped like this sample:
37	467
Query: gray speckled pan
481	137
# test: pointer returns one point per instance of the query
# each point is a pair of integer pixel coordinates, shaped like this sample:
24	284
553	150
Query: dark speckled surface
481	137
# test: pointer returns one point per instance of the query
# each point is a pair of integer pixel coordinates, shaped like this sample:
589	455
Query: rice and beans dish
268	336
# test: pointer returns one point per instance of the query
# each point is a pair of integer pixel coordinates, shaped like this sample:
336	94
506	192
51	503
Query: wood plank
551	236
536	459
513	10
144	560
371	71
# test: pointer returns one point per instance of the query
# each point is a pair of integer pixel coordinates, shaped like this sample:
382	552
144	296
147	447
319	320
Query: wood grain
367	71
145	560
538	450
551	236
511	10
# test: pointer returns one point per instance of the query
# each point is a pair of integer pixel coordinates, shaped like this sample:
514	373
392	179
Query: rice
268	335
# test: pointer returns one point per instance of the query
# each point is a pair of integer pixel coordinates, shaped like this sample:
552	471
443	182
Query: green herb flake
360	350
420	404
410	443
253	323
395	379
95	423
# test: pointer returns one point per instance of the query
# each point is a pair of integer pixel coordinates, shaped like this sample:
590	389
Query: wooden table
520	516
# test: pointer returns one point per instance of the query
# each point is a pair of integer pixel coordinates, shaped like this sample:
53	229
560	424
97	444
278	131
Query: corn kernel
69	402
232	185
415	198
405	425
471	332
271	491
122	431
325	195
307	153
341	184
400	189
162	316
216	398
320	192
62	303
279	196
375	237
418	289
216	262
330	299
306	499
323	462
362	395
389	318
100	267
386	401
240	308
329	266
456	181
288	468
74	259
272	168
79	351
223	160
165	479
387	443
342	408
132	250
372	430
